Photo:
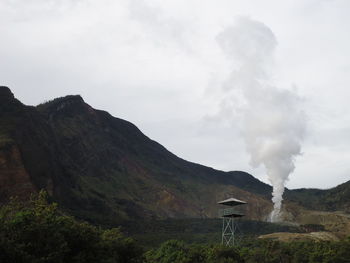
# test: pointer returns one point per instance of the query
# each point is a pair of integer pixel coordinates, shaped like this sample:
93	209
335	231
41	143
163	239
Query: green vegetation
251	251
151	234
37	231
333	199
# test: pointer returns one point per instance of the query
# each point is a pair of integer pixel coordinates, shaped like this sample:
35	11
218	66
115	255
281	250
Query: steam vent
228	216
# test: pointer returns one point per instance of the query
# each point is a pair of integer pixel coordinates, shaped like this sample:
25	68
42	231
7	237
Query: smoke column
273	122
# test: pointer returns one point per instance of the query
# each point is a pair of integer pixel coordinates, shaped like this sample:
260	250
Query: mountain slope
101	167
336	198
105	169
28	152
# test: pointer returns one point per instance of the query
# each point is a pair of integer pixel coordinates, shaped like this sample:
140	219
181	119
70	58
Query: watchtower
228	216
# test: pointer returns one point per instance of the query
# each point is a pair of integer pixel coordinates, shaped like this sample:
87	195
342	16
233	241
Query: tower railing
227	212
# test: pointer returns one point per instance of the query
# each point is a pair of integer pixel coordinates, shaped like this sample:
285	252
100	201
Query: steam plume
273	123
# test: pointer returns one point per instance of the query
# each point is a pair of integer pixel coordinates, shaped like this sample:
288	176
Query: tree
38	232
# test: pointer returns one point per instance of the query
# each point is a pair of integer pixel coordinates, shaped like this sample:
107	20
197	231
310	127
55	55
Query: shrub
38	232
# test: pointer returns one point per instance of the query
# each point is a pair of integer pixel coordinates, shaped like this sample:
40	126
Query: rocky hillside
103	168
337	198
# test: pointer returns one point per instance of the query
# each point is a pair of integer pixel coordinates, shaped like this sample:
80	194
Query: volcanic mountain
104	169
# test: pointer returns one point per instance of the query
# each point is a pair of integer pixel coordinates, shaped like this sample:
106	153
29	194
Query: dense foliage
253	251
37	232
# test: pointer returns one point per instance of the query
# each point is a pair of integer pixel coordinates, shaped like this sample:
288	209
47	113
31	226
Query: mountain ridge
104	169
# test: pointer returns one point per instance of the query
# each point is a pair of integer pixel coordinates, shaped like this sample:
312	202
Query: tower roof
232	202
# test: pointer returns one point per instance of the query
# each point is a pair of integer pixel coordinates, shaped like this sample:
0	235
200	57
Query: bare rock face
14	179
319	225
23	149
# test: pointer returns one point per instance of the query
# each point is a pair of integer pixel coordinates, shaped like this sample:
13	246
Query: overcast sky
158	64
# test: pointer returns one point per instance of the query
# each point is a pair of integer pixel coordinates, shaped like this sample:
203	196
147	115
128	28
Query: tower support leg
228	231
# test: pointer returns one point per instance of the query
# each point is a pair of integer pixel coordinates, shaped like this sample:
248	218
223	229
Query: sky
160	65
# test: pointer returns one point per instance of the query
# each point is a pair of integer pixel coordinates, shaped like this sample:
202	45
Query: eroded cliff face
25	152
14	179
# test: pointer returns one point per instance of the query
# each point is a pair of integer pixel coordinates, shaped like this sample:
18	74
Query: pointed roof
232	202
